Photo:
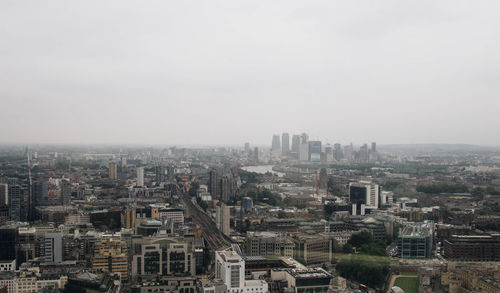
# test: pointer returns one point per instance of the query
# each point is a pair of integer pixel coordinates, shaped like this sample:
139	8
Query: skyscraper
15	201
140	176
256	154
285	144
4	194
304	152
65	192
295	143
374	147
323	178
112	171
9	238
213	184
41	192
247	147
159	173
225	188
276	146
337	152
304	138
222	215
314	151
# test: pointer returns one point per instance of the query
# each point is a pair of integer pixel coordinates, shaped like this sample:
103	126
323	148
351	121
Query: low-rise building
415	240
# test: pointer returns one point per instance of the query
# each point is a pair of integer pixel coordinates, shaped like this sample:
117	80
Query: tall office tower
337	152
363	195
15	201
348	152
4	194
328	153
159	173
225	188
213	184
285	144
374	147
304	152
247	147
9	239
304	138
256	154
110	254
222	218
112	171
323	178
41	192
295	143
276	146
53	247
363	153
65	192
140	176
315	151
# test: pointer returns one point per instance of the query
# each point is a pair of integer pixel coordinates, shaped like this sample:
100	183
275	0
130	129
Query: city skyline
166	73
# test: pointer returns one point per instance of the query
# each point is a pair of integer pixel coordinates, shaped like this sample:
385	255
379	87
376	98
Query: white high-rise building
365	195
53	247
304	152
140	176
222	215
230	269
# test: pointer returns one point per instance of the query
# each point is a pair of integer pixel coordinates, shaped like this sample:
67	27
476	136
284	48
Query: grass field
409	285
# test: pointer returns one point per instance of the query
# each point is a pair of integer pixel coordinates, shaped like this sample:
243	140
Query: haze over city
226	72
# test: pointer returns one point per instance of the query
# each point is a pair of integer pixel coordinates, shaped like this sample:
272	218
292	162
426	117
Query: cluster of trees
265	196
250	177
364	244
442	188
372	273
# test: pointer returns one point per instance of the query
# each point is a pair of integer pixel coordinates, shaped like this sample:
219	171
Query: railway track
213	236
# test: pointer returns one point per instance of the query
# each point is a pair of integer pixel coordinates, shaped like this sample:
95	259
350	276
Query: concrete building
268	244
162	258
15	200
222	218
472	247
304	152
140	176
110	254
285	144
213	183
174	215
276	145
363	195
53	247
314	151
230	269
112	171
313	249
315	280
295	146
4	194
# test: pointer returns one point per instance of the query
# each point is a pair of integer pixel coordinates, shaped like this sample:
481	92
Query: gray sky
227	72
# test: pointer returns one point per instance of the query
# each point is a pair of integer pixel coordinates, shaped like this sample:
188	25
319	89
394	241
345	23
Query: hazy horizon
229	72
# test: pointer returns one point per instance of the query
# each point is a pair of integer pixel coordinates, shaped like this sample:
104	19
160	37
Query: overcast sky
227	72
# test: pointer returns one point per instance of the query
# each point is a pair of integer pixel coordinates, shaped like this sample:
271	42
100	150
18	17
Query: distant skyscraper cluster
303	149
